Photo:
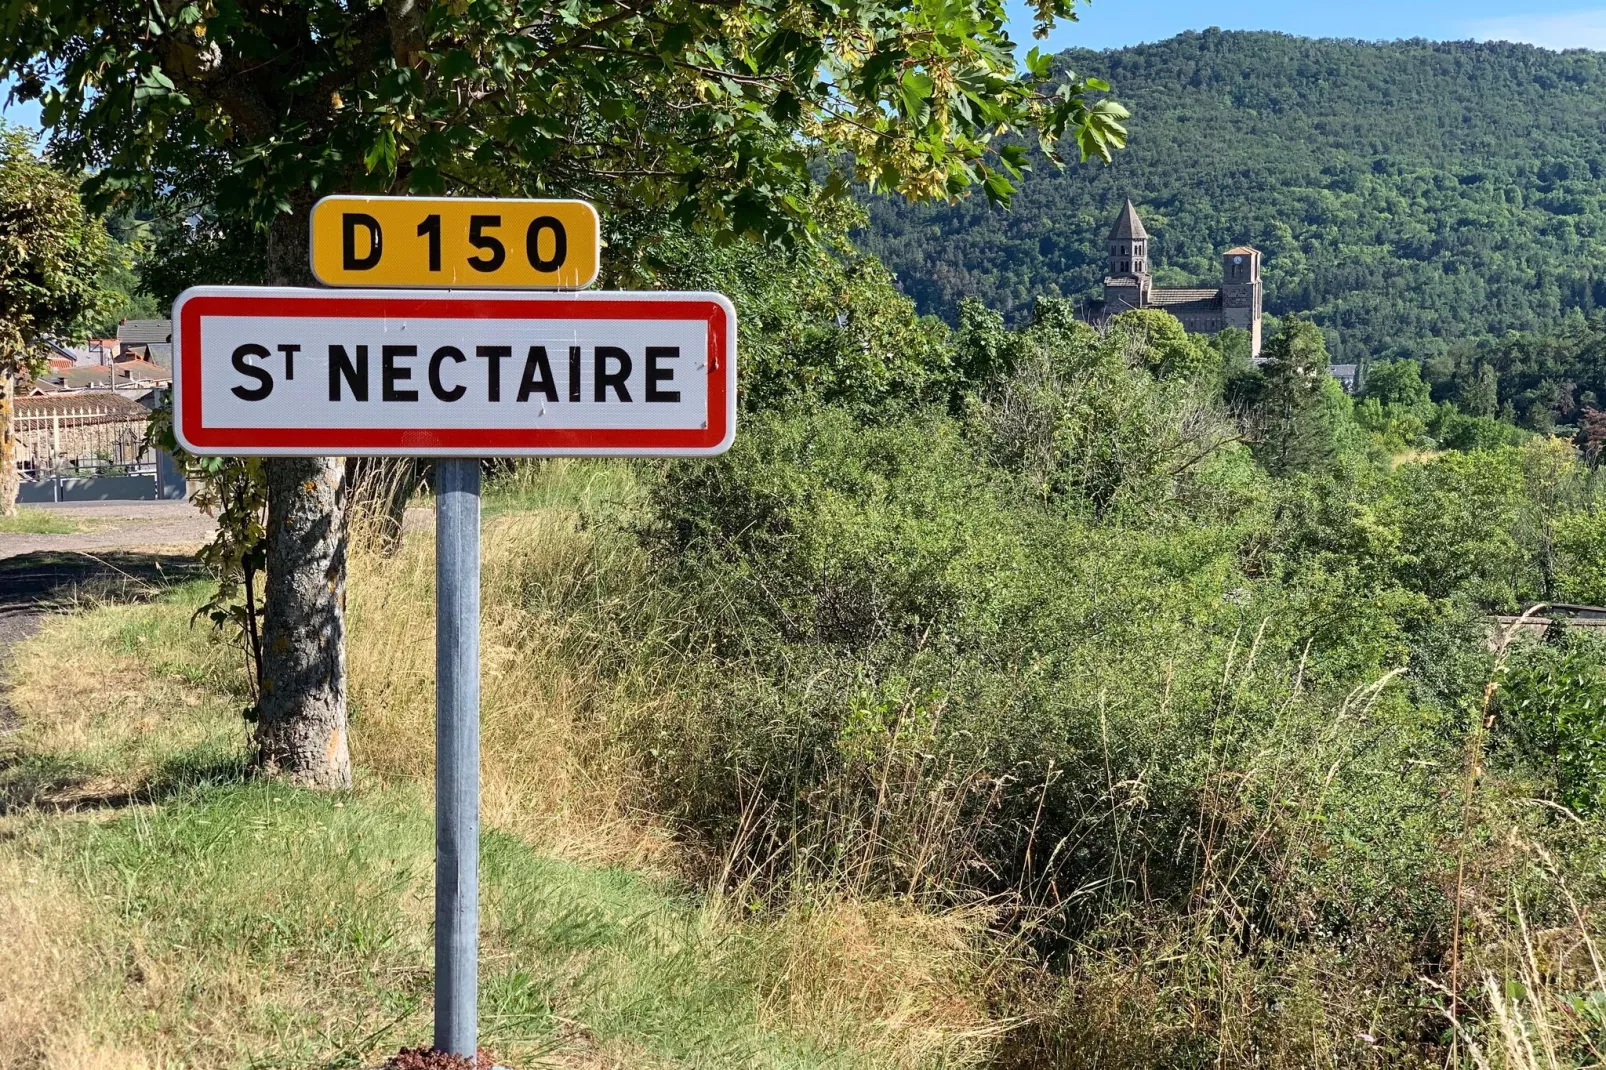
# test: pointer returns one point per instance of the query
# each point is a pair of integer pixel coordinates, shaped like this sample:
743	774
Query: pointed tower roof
1128	225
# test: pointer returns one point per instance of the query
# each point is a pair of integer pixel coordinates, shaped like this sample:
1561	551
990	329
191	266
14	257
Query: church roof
1128	225
1243	250
1184	299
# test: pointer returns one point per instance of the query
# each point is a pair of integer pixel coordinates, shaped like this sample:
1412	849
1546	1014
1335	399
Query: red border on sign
423	439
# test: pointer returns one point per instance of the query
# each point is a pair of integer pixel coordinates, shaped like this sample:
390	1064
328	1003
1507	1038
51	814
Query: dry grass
1540	996
44	965
1414	456
213	923
543	774
908	983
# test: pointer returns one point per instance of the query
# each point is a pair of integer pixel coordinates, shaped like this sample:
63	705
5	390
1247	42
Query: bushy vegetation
1409	195
1180	667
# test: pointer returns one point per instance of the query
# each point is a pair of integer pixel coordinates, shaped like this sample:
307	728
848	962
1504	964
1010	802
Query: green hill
1408	194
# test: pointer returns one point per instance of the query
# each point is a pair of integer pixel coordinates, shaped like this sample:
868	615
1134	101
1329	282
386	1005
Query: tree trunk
10	477
301	716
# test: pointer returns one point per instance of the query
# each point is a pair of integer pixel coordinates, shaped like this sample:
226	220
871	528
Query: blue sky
1111	23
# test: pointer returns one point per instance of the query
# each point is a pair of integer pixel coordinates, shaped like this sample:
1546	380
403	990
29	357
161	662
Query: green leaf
381	155
458	63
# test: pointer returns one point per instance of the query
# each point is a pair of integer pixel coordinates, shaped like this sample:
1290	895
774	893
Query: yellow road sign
456	242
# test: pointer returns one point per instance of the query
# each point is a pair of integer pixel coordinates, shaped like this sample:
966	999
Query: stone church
1236	303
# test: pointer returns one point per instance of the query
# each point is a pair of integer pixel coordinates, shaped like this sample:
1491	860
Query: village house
150	340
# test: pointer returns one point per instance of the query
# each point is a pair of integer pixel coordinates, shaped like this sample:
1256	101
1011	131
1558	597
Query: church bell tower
1241	292
1128	281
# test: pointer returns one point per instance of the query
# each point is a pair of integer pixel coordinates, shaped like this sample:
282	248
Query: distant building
1348	376
1128	285
144	332
150	340
78	433
130	374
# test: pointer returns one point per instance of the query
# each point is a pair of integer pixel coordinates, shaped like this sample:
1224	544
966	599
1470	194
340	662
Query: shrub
1458	431
1552	705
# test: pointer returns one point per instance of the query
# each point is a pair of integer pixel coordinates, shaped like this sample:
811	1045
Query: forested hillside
1407	194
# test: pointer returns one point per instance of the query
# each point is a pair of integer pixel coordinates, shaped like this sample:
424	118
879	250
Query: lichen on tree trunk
301	715
10	477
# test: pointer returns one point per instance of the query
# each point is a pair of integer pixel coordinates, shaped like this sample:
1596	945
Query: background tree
52	256
1479	393
1398	382
1293	424
728	117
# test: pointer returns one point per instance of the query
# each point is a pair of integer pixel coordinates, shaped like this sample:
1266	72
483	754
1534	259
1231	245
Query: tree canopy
716	114
52	255
52	259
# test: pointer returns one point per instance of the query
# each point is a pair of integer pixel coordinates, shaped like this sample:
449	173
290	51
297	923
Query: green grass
317	910
39	522
158	906
559	483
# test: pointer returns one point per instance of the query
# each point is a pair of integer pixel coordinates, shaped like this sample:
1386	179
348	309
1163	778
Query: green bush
1053	639
1580	540
1552	706
1057	693
1458	431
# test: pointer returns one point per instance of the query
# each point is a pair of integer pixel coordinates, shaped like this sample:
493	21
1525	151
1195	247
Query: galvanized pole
457	753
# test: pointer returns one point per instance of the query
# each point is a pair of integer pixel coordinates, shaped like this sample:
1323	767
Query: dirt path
131	550
117	525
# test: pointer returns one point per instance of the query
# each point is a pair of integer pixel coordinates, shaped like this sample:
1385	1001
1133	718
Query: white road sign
267	371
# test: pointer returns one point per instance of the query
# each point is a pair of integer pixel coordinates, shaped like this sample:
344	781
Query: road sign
265	371
273	371
456	242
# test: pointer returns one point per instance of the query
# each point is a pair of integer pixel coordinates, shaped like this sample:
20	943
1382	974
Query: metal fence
86	439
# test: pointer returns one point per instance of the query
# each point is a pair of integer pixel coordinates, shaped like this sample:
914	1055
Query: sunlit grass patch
40	522
119	699
561	483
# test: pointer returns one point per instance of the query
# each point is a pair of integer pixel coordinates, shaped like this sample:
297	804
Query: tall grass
181	917
546	774
580	651
1164	837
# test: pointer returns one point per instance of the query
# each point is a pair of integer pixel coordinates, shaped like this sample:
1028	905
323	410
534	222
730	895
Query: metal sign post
457	752
459	376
